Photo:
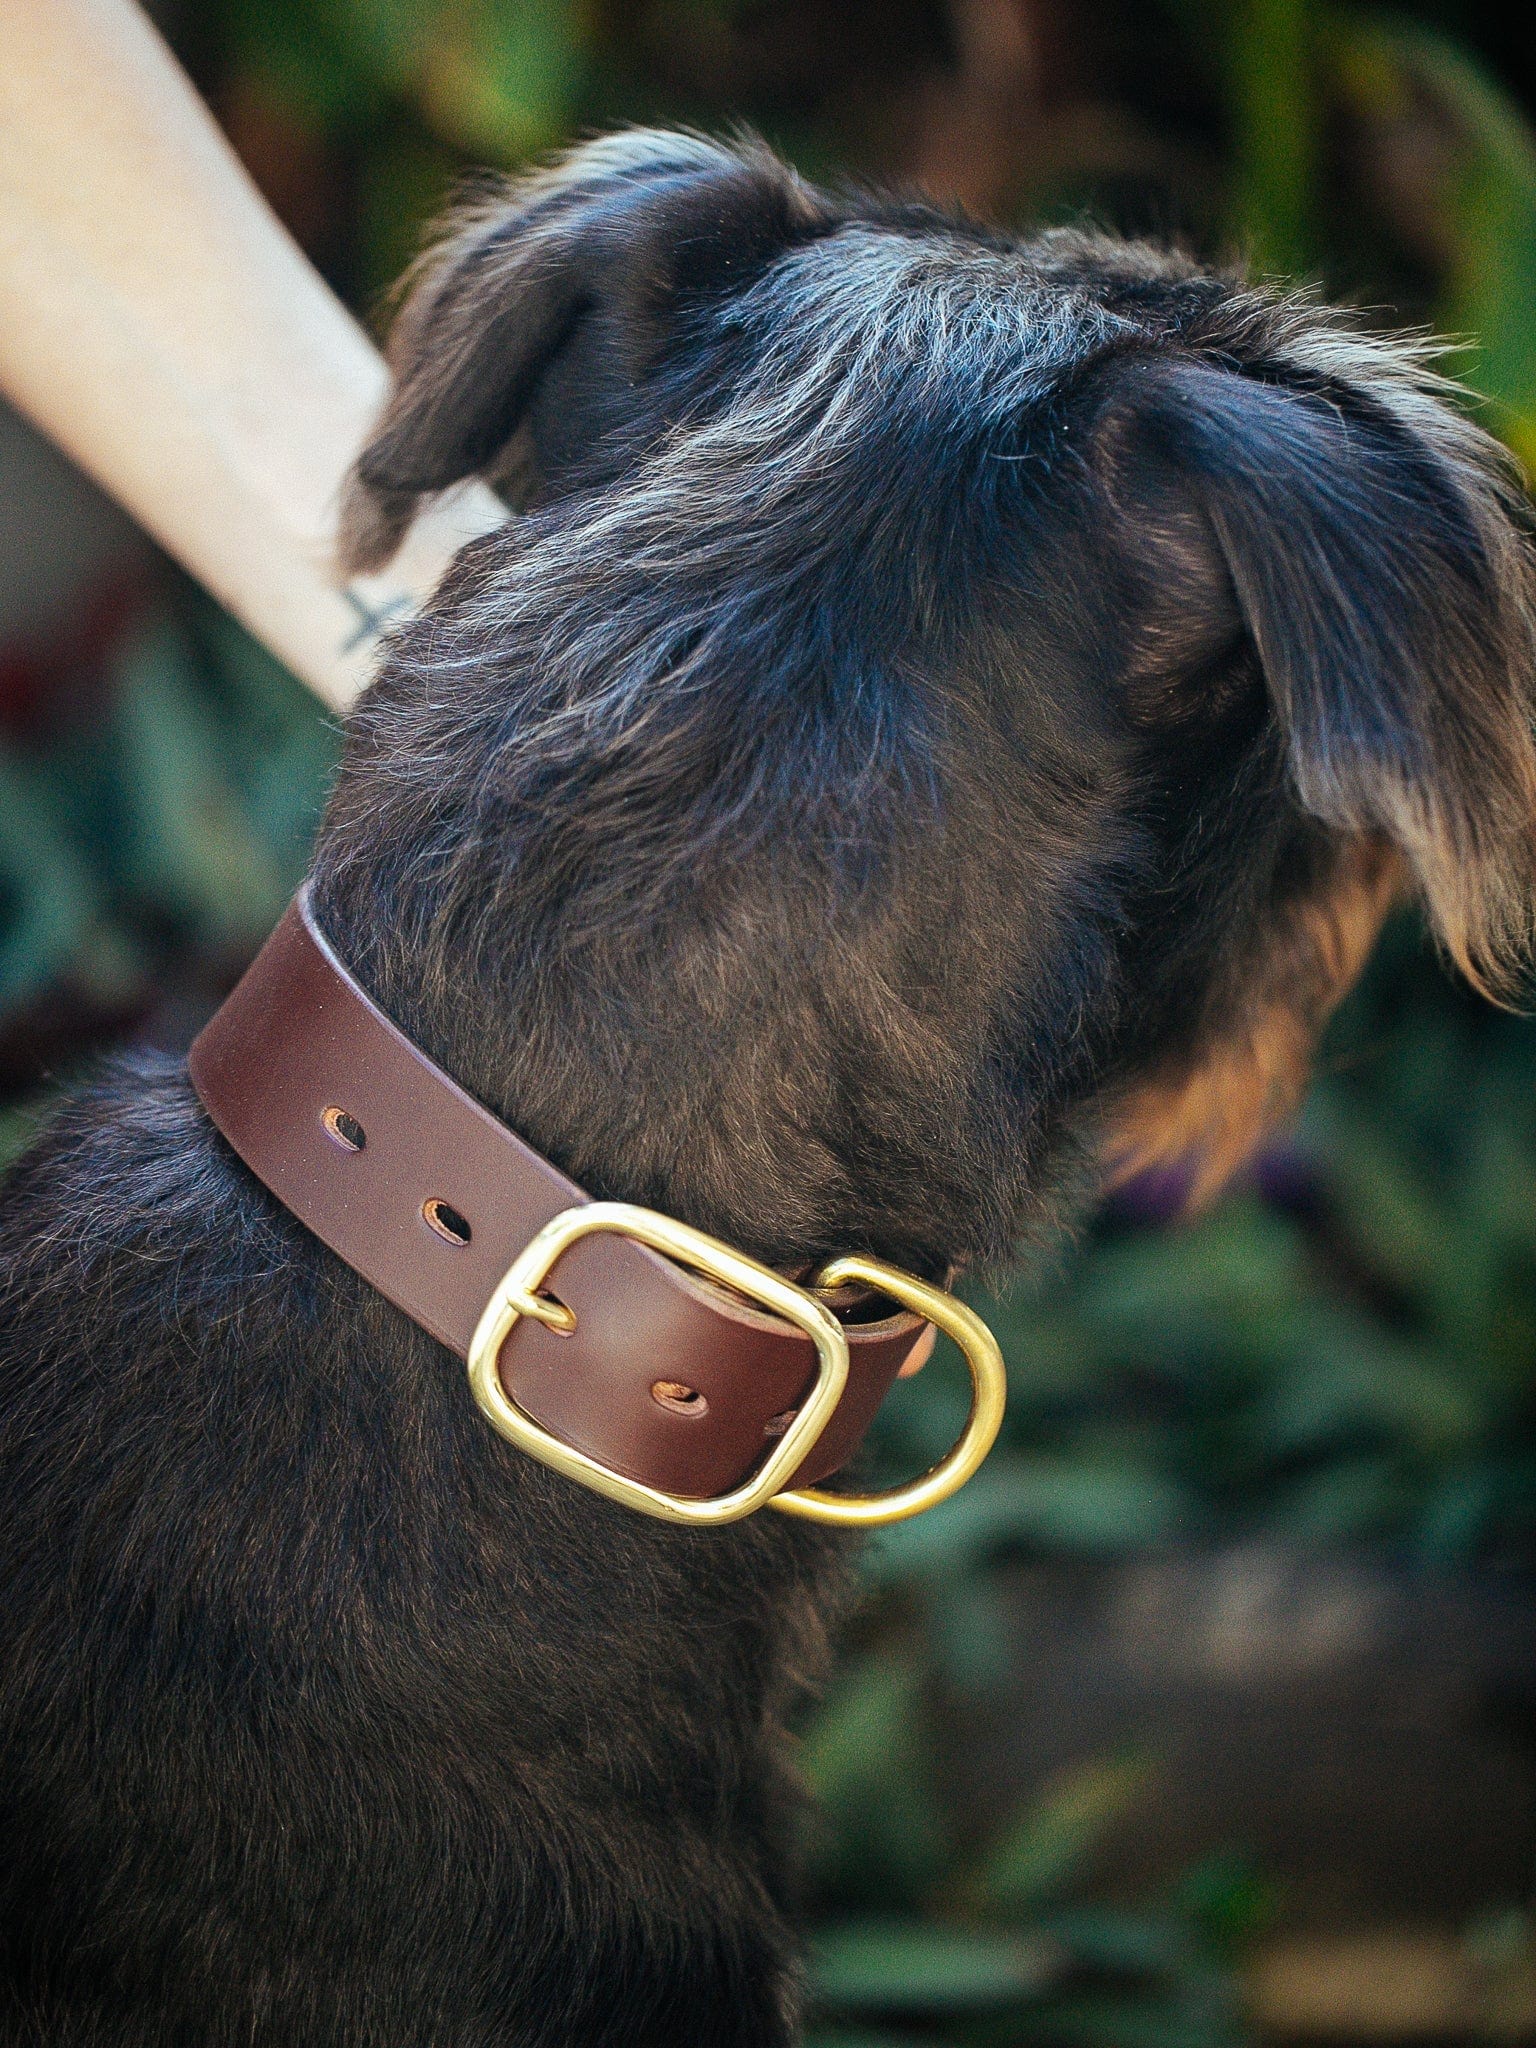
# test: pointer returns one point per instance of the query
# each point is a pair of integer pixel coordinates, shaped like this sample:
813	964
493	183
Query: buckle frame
516	1295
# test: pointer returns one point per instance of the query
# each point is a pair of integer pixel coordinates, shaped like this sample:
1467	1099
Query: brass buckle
989	1392
517	1295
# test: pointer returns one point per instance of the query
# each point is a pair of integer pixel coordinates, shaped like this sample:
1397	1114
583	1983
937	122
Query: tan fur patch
1211	1114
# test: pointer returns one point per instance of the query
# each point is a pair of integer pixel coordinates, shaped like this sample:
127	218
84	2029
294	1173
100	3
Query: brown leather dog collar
665	1379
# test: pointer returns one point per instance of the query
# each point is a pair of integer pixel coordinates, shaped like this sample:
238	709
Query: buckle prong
554	1315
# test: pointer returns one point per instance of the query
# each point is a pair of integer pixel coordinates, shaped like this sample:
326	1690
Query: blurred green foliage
169	821
1343	1351
1340	1352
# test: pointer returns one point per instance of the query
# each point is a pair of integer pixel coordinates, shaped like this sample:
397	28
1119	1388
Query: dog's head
946	703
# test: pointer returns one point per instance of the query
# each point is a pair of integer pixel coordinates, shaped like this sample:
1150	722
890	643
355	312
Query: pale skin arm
158	323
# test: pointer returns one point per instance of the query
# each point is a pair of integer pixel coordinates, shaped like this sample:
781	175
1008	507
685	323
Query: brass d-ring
989	1387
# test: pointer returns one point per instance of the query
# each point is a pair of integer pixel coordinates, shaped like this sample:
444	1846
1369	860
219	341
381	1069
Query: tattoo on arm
371	618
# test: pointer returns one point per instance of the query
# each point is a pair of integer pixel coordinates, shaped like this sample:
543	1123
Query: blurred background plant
1208	1713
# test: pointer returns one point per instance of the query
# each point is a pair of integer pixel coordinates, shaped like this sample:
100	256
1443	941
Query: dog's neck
754	1075
714	931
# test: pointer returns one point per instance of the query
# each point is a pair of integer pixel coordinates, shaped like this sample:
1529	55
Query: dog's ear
1372	547
550	302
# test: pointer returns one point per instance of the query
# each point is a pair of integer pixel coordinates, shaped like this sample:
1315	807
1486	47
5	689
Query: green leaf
1457	1515
1106	2022
880	1828
499	78
1344	1501
189	844
1271	65
971	1627
308	56
1491	201
1231	1901
1049	1843
393	34
1342	1375
1178	1301
858	2037
1398	1221
1121	1943
913	1966
1055	1504
49	903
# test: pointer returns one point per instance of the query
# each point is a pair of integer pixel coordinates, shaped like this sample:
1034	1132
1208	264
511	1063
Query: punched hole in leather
426	1194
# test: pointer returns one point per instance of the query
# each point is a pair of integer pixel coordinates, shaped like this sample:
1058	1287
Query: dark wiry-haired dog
948	705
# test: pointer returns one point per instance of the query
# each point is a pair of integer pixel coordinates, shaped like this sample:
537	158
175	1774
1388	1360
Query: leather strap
300	1059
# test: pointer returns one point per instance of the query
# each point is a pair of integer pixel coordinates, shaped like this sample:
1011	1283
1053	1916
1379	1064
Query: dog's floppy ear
1375	549
549	302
